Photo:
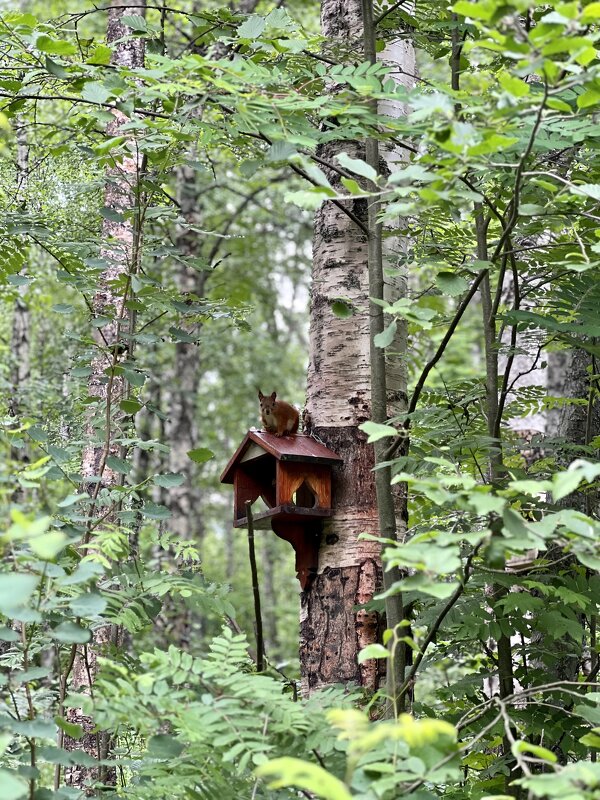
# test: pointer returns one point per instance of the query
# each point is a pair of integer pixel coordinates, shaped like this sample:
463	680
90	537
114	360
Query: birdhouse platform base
301	528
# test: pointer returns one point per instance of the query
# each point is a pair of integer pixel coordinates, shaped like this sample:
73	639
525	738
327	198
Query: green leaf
59	454
588	99
57	47
357	166
376	431
35	727
56	69
558	105
200	455
539	752
281	151
109	144
135	22
587	189
450	283
180	335
48	545
130	406
373	651
8	635
514	86
531	209
88	605
63	308
86	571
591	739
16	590
386	337
19	280
169	479
71	499
287	771
155	511
37	433
118	465
483	10
591	13
164	746
32	674
428	585
342	308
352	186
5	740
100	55
252	27
12	787
564	483
134	377
70	728
310	199
58	755
71	633
111	214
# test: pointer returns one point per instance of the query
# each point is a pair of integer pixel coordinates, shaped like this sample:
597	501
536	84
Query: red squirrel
278	417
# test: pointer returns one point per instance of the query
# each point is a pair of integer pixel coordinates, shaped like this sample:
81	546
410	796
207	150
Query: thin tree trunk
181	427
20	335
121	254
394	607
269	596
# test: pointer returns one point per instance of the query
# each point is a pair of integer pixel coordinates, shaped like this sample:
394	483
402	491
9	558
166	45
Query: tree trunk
120	253
269	597
339	400
181	428
20	335
574	423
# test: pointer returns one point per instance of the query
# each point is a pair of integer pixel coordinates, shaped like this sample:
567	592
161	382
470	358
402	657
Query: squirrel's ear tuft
273	396
260	395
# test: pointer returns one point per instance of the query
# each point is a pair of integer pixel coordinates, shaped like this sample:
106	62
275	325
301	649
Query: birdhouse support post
304	538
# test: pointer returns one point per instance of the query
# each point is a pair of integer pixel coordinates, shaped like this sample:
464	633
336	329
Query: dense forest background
395	206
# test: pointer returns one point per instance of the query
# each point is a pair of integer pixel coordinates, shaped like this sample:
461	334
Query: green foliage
501	179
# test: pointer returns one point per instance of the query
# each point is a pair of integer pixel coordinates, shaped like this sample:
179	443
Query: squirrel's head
267	403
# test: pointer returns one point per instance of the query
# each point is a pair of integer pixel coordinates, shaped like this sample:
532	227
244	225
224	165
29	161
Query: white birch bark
338	400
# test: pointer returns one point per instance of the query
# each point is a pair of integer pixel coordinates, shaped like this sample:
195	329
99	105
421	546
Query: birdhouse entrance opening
259	506
304	497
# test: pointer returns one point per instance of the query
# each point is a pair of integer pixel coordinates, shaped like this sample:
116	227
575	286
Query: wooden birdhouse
292	475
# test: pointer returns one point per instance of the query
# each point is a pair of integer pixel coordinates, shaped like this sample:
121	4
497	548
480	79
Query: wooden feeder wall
292	475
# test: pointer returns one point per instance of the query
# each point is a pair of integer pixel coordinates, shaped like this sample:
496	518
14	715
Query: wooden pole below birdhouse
255	589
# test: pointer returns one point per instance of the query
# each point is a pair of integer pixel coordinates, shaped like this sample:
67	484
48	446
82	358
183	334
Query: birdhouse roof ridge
284	448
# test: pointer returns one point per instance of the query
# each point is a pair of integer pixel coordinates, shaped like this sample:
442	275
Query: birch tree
121	236
21	322
339	401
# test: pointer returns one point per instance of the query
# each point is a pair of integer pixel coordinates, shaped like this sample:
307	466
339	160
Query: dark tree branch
395	446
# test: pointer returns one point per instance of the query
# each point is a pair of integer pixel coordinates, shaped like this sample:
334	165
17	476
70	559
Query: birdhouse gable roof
283	448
